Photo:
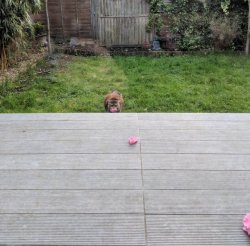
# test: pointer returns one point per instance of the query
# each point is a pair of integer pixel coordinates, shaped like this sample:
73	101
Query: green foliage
189	22
157	8
225	30
221	24
14	23
225	6
228	6
38	28
232	31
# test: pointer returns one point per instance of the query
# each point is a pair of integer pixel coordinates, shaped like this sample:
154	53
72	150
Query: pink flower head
132	140
246	223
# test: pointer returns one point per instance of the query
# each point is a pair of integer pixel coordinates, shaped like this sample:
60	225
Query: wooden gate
120	22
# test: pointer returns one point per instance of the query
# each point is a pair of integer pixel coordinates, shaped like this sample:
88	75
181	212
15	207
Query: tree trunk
3	58
248	30
48	27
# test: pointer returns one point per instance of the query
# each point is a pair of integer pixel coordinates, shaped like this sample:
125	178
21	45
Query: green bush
189	22
225	30
38	28
14	25
156	10
197	26
229	27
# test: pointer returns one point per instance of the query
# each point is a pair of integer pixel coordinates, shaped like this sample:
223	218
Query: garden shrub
15	22
197	26
38	28
225	30
229	26
156	10
189	22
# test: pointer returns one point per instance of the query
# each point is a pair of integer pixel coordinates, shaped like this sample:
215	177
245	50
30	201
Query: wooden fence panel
84	18
120	22
68	18
55	16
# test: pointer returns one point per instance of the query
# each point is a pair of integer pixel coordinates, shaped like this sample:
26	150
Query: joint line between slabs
142	180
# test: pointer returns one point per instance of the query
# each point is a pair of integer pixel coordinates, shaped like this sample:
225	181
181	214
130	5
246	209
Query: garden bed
21	64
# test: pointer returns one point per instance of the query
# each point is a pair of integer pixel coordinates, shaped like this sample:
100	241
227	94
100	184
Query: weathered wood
68	18
199	202
193	125
74	179
194	117
195	230
196	180
71	201
69	125
67	117
68	135
196	161
72	229
237	117
70	161
121	22
88	146
191	135
70	179
195	147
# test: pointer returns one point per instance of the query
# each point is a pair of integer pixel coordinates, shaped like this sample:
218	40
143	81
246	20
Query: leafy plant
14	22
157	8
232	13
38	28
189	22
225	6
224	31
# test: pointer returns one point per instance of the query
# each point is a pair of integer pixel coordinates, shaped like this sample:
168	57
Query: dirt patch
63	54
82	47
93	49
22	62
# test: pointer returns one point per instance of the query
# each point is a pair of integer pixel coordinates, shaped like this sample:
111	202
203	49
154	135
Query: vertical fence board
121	22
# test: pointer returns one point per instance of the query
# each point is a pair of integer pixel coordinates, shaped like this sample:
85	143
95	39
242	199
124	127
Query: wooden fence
68	18
120	22
112	22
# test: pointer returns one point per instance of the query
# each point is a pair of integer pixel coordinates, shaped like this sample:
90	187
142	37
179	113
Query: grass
190	83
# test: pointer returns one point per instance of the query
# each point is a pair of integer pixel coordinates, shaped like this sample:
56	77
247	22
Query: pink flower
246	223
132	140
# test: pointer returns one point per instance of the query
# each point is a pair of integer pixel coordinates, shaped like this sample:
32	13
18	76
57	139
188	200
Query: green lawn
190	83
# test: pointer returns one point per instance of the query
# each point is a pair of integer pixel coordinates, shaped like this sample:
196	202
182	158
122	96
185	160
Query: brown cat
113	102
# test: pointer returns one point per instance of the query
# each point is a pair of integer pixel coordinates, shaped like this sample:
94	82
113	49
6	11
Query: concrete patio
73	179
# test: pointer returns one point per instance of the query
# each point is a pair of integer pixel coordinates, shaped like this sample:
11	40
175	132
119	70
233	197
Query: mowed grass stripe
189	83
